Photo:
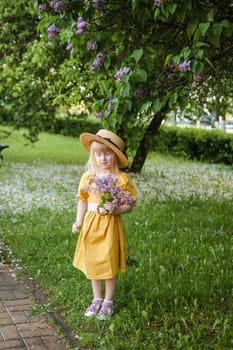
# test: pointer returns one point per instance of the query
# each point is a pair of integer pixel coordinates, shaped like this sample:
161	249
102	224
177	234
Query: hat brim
86	140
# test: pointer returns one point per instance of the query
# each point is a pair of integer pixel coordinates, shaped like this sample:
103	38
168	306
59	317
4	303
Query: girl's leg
97	288
96	304
110	288
107	305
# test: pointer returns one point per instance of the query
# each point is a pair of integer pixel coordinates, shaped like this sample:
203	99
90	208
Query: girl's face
104	157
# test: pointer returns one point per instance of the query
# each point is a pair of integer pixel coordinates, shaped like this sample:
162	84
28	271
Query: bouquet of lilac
106	187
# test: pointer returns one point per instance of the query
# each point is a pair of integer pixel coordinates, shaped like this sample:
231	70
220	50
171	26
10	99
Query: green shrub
202	145
73	126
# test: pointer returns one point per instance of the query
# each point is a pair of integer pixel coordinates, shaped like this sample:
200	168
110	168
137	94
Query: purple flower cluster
181	67
100	115
106	188
184	66
197	78
43	7
53	31
69	47
97	61
139	93
119	74
81	26
57	6
92	46
99	4
158	2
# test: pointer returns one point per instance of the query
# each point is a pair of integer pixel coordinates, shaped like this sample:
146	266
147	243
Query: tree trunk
143	148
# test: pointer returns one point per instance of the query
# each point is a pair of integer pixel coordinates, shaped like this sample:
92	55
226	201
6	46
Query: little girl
104	194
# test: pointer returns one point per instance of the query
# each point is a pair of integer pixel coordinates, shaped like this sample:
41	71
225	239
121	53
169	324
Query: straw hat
111	140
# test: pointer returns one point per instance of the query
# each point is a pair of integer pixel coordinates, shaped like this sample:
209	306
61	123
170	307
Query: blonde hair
100	147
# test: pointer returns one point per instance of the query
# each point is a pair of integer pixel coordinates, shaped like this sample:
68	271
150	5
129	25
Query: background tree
131	61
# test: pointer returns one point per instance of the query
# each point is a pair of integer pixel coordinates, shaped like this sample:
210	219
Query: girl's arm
123	209
81	210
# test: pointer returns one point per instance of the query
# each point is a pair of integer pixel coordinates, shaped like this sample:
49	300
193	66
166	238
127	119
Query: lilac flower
69	47
184	66
52	4
139	93
97	61
197	78
43	8
92	46
53	31
59	6
81	26
99	115
120	73
158	2
98	4
106	188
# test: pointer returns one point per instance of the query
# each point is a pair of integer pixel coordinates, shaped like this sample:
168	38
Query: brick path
19	330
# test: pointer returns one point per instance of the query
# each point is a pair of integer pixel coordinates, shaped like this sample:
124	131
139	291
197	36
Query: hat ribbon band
109	140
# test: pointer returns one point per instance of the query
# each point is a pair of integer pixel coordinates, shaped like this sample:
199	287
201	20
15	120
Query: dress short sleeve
127	185
84	182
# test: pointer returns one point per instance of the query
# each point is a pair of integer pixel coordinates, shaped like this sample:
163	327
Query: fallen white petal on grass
26	186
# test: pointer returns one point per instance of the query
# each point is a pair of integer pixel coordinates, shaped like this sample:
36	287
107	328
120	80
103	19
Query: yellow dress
100	250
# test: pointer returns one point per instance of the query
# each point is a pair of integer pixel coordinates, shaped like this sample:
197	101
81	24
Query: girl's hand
76	228
110	207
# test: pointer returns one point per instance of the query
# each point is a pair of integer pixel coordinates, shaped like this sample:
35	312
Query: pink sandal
94	308
106	310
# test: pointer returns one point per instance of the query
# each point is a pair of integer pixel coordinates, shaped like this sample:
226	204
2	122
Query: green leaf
198	67
137	54
146	106
186	53
211	15
191	27
209	62
204	27
199	53
125	89
107	62
214	33
128	105
168	59
201	43
171	8
140	75
157	105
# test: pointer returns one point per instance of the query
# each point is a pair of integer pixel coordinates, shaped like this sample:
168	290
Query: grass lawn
177	292
50	148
